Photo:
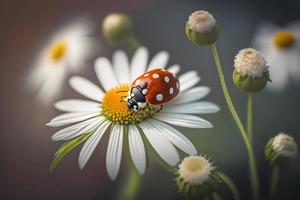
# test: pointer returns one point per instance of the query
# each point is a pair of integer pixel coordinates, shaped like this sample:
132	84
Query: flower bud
201	28
251	72
280	149
117	28
196	177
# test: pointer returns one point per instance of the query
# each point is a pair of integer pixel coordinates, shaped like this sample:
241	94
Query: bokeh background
26	149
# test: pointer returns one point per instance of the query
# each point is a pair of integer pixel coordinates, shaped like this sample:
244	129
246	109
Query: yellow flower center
194	164
284	39
115	108
58	50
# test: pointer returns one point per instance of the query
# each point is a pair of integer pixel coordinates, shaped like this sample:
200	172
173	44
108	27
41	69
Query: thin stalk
216	196
131	186
250	117
252	163
132	44
274	181
230	185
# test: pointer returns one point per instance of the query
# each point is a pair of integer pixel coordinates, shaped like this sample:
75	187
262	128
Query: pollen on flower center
58	50
284	39
115	108
195	169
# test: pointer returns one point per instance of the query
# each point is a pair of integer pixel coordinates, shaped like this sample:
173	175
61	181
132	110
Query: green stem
274	181
250	117
230	185
131	186
252	164
132	44
216	196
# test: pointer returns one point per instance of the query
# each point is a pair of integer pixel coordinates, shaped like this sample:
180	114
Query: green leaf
66	148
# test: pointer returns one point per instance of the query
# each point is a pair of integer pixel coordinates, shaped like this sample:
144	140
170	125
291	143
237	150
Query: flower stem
131	186
132	44
250	117
274	181
230	185
216	196
252	164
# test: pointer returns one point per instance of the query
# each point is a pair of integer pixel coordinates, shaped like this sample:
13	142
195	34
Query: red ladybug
155	87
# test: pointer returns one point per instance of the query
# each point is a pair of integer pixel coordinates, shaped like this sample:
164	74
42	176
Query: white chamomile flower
67	51
106	110
281	48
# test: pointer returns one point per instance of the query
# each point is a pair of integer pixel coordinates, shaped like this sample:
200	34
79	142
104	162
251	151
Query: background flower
67	51
281	47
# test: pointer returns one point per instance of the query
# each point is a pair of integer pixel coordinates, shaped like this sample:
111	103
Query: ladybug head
136	98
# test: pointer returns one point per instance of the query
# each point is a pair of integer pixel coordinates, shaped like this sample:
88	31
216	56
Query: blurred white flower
281	48
66	52
105	109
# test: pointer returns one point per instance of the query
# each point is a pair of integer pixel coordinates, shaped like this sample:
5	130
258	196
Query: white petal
137	149
174	69
175	137
191	95
114	151
188	80
192	108
183	120
90	145
86	88
139	62
52	85
77	105
160	60
105	73
78	129
121	66
160	143
70	118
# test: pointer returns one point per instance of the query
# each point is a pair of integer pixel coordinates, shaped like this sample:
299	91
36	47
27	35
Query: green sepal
273	157
250	84
206	189
65	148
202	39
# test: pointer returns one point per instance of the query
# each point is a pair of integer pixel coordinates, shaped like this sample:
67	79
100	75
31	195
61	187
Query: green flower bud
251	72
117	28
196	177
201	28
280	149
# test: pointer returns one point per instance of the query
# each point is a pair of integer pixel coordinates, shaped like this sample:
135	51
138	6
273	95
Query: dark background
26	149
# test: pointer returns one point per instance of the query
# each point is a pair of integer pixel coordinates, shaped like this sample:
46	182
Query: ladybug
155	87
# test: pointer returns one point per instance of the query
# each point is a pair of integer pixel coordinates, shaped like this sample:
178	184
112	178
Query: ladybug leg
161	106
148	108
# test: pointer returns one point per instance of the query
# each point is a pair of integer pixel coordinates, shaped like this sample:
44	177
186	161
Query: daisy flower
281	47
106	111
66	52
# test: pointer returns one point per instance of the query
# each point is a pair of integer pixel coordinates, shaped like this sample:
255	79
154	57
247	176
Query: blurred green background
26	149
